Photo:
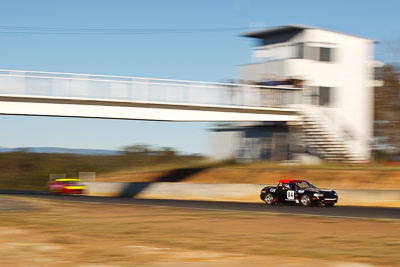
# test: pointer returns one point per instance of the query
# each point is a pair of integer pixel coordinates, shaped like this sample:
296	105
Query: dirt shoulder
57	233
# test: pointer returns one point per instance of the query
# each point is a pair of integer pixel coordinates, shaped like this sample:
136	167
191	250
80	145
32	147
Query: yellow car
65	186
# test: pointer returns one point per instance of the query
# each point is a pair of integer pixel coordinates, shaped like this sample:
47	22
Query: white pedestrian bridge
119	97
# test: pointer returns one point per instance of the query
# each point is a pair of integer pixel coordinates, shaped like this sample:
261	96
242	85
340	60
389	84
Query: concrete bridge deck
120	97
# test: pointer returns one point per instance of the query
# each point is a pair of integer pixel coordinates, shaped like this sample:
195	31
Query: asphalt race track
337	211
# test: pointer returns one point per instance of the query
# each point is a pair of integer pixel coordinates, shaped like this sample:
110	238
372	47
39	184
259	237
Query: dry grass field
37	232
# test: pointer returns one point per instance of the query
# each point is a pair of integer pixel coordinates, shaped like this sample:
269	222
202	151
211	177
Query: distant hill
61	150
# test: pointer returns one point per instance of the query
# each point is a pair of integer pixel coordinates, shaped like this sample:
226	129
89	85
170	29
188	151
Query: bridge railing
138	89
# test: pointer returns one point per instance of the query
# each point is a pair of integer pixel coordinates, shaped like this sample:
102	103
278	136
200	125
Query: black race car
298	192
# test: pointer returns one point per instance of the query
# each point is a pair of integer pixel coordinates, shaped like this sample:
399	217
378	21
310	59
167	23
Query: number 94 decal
290	194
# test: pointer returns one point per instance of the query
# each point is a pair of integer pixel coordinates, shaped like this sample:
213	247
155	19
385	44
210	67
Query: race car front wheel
305	201
269	199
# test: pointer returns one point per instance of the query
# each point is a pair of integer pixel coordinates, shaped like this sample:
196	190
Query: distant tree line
387	112
25	170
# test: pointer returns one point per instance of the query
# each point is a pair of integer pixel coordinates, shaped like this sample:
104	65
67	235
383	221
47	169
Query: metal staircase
324	140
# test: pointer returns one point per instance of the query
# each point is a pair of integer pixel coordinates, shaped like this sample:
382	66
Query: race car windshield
304	184
69	182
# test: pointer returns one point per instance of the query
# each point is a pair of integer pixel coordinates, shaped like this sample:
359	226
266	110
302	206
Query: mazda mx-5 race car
298	192
65	186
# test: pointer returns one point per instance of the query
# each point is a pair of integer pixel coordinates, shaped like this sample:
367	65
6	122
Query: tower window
325	98
325	54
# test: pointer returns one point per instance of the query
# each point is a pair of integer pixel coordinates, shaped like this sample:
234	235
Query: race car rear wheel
305	201
269	199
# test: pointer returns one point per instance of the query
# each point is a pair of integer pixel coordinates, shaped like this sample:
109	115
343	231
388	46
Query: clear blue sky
198	56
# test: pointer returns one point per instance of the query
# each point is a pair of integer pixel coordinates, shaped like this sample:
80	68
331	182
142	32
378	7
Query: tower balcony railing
39	84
